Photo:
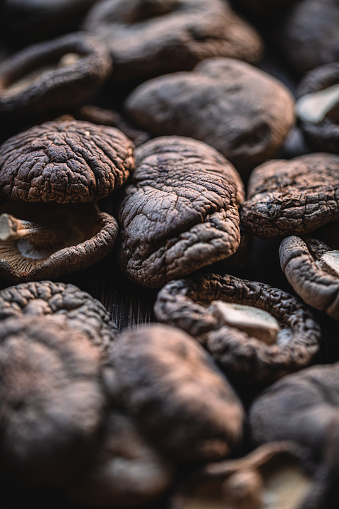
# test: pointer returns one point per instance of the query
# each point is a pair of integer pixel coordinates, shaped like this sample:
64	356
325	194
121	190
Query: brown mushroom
292	197
236	108
52	399
179	212
151	37
265	336
175	392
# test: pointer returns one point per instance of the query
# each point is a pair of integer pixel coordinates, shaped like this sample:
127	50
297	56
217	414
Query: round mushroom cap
179	212
245	343
236	108
64	162
46	298
173	389
52	76
292	197
126	470
51	399
303	407
151	37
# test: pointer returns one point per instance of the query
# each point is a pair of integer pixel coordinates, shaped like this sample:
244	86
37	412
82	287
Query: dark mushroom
236	108
175	392
52	400
179	212
45	298
292	197
151	37
253	331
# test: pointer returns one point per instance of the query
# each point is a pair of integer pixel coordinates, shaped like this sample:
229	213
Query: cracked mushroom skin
59	239
242	339
291	197
179	212
181	401
278	475
52	76
312	268
52	400
151	37
46	298
65	162
126	470
241	111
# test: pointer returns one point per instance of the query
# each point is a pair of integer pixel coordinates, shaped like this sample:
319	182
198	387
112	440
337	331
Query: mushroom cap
179	212
236	108
51	399
186	303
46	298
292	197
64	161
151	37
53	75
179	398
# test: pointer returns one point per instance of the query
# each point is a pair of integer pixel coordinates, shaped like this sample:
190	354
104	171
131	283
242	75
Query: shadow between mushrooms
253	331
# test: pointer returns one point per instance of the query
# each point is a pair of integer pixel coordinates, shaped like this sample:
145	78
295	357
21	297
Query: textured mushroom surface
303	407
126	470
318	107
53	75
173	389
179	212
64	162
309	34
52	240
191	304
278	475
44	298
312	268
51	399
292	197
241	111
151	37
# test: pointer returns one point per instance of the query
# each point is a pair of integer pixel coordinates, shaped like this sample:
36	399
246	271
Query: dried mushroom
317	107
278	475
64	162
265	336
292	197
236	108
45	298
39	241
311	265
151	37
302	407
53	75
126	470
175	392
51	398
179	212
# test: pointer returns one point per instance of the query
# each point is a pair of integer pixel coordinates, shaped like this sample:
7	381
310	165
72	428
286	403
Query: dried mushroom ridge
292	197
180	399
277	475
126	470
312	269
51	399
53	75
152	37
259	109
187	303
66	238
302	407
179	212
64	162
44	298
